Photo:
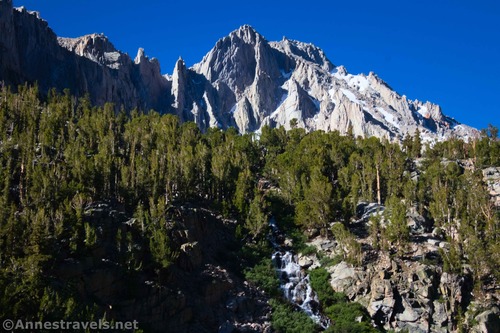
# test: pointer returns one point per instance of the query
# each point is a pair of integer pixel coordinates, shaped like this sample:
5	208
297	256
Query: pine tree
398	232
161	248
416	150
314	211
257	219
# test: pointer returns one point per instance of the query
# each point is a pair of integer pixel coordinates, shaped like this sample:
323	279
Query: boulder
382	299
488	321
190	256
491	177
349	280
408	315
433	242
305	262
328	245
439	316
417	223
308	261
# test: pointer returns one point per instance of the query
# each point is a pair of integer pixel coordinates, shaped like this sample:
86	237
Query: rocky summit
244	82
259	83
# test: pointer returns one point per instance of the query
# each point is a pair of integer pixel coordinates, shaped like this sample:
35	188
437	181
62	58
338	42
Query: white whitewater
294	281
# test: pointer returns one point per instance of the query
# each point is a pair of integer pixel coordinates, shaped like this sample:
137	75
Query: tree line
59	156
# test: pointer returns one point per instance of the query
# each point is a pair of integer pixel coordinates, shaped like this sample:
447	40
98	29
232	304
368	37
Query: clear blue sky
444	51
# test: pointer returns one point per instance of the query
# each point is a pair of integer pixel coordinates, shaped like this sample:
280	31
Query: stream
294	281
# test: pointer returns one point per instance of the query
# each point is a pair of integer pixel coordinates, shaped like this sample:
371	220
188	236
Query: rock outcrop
411	292
201	292
491	177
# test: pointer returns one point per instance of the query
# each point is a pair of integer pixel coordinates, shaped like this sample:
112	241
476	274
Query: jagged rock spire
178	86
140	56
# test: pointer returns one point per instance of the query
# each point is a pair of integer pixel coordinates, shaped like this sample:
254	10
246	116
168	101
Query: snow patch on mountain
424	112
388	117
350	95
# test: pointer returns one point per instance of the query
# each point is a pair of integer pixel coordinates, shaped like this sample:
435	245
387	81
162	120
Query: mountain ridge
298	81
244	81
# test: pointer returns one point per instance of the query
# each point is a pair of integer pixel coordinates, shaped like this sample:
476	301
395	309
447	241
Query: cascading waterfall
294	280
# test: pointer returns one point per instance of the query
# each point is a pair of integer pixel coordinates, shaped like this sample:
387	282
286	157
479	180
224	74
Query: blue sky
444	51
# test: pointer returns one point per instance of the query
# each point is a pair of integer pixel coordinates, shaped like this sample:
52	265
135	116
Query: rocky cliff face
244	82
491	177
270	83
201	292
31	52
411	293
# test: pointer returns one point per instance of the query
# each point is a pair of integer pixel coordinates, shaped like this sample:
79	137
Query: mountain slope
270	83
31	52
244	82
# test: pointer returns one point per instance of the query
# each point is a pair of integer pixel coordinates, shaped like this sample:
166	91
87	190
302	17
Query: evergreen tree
257	219
416	147
397	231
314	211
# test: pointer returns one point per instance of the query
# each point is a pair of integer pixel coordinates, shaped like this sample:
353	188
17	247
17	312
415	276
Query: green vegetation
347	241
288	320
397	231
59	157
326	261
264	275
308	250
345	316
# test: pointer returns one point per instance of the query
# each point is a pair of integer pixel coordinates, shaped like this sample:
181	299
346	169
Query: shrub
308	250
285	319
264	275
343	314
